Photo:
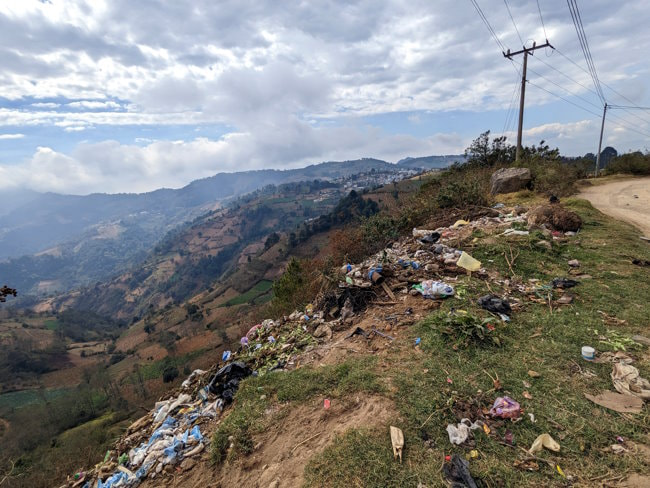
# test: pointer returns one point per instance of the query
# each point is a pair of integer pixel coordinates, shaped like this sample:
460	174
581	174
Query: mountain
431	162
34	222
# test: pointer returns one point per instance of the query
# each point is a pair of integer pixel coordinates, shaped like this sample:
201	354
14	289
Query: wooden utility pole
600	142
525	51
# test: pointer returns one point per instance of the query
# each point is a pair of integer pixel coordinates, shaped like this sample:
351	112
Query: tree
485	154
5	292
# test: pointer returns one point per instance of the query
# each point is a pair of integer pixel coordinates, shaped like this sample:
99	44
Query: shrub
635	163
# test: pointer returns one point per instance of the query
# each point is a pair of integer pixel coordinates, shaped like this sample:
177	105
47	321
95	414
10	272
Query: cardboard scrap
617	402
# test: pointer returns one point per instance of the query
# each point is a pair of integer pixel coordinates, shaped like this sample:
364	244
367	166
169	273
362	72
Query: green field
51	324
18	399
255	294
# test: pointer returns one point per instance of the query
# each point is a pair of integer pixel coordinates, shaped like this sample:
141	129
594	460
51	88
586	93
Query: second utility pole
525	51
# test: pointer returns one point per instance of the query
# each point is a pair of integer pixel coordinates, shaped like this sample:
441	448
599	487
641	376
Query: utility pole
525	51
600	142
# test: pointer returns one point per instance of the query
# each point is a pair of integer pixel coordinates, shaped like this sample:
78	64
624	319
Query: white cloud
45	105
292	84
94	105
11	136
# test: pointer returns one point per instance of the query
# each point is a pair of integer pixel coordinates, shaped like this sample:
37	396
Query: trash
431	238
559	470
574	263
544	440
468	262
509	438
486	429
397	440
498	205
225	382
627	381
456	472
527	465
357	331
588	353
434	289
459	223
564	283
461	432
226	356
493	303
531	416
505	408
515	232
326	404
617	402
527	395
473	454
417	341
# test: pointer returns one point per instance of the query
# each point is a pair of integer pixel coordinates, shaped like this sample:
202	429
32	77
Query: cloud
94	105
11	136
293	84
113	167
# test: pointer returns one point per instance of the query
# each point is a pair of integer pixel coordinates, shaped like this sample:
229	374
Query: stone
188	464
555	217
544	244
508	180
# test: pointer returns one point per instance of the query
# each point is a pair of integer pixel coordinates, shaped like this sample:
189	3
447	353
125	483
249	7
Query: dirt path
627	200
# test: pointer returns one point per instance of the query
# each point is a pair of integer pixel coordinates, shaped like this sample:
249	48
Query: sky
124	96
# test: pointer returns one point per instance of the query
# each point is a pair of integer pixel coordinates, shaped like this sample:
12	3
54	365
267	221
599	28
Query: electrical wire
606	86
584	45
513	23
489	27
506	124
542	19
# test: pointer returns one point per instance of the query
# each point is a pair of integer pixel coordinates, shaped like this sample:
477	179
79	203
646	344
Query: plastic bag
468	262
434	289
506	408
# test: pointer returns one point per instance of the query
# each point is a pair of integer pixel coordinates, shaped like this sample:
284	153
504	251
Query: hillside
60	242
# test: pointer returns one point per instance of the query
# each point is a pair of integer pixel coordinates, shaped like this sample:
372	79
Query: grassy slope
417	381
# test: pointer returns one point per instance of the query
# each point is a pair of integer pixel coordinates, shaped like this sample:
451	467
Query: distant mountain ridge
35	222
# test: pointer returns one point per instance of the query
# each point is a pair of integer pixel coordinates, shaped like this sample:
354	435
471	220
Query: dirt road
627	200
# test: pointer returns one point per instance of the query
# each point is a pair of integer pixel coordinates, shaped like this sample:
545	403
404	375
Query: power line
598	116
567	76
624	107
506	124
565	99
584	45
605	84
513	22
487	24
542	19
565	89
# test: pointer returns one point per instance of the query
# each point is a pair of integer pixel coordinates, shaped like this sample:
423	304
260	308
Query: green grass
260	289
51	324
257	393
18	399
426	402
155	369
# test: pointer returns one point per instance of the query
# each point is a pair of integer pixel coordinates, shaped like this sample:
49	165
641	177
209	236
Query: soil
617	199
283	450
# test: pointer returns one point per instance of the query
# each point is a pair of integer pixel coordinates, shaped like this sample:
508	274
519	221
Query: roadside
627	200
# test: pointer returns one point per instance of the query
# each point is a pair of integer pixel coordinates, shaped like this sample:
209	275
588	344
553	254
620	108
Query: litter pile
165	440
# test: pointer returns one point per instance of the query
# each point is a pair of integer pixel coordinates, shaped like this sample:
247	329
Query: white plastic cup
588	353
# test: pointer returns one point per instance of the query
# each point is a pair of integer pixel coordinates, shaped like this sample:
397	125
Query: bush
635	163
170	373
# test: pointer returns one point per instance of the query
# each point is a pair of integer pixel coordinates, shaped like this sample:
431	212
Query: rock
556	217
574	263
323	330
520	209
544	244
508	180
275	484
188	464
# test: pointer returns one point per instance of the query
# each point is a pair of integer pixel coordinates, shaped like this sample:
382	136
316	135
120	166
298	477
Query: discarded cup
588	353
